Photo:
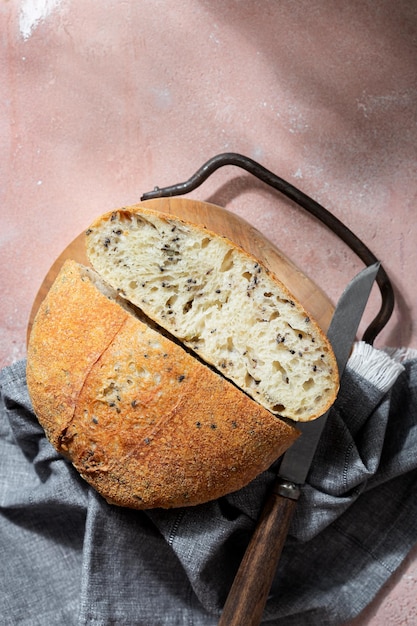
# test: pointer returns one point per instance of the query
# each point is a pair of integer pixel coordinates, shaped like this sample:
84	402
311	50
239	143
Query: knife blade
247	597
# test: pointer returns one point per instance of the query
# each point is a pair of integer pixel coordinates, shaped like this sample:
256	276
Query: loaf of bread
141	419
220	302
169	371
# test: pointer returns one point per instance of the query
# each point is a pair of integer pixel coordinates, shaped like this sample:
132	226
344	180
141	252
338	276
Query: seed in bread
220	302
141	419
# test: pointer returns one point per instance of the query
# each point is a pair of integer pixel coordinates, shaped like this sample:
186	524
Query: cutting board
227	224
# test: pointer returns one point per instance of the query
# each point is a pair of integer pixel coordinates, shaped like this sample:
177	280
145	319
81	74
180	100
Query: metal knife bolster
342	331
286	489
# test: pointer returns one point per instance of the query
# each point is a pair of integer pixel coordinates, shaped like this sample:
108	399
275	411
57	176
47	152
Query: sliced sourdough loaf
220	302
141	419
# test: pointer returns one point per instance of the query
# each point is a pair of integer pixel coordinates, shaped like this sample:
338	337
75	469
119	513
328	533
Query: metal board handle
307	203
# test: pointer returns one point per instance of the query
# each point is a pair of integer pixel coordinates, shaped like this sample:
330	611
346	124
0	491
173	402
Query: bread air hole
210	304
227	262
278	408
187	306
171	300
250	381
308	384
277	367
205	242
194	341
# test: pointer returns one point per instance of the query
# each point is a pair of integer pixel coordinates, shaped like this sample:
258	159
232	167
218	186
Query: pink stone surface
101	101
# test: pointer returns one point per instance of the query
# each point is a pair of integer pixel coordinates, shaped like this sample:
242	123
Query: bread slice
220	302
142	420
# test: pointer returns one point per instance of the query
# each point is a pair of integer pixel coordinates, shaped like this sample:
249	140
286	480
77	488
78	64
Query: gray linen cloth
67	557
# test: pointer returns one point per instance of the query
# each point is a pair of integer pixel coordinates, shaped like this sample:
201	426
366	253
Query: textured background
101	101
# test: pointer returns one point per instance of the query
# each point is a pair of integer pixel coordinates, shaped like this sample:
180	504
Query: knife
248	594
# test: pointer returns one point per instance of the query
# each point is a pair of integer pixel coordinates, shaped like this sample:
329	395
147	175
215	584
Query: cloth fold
68	557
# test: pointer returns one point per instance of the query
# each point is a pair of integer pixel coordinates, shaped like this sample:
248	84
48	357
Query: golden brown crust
67	338
143	421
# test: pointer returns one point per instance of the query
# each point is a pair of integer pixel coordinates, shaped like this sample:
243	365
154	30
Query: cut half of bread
141	418
220	302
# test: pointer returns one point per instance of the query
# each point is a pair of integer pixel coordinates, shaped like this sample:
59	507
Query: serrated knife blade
248	594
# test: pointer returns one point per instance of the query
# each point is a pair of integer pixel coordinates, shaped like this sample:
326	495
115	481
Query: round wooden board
227	224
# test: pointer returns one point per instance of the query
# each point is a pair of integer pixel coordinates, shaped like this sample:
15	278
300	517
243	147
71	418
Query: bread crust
144	422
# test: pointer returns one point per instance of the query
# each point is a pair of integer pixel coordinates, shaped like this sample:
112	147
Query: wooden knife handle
247	597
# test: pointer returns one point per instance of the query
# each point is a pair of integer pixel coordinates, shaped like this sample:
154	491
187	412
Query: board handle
307	203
